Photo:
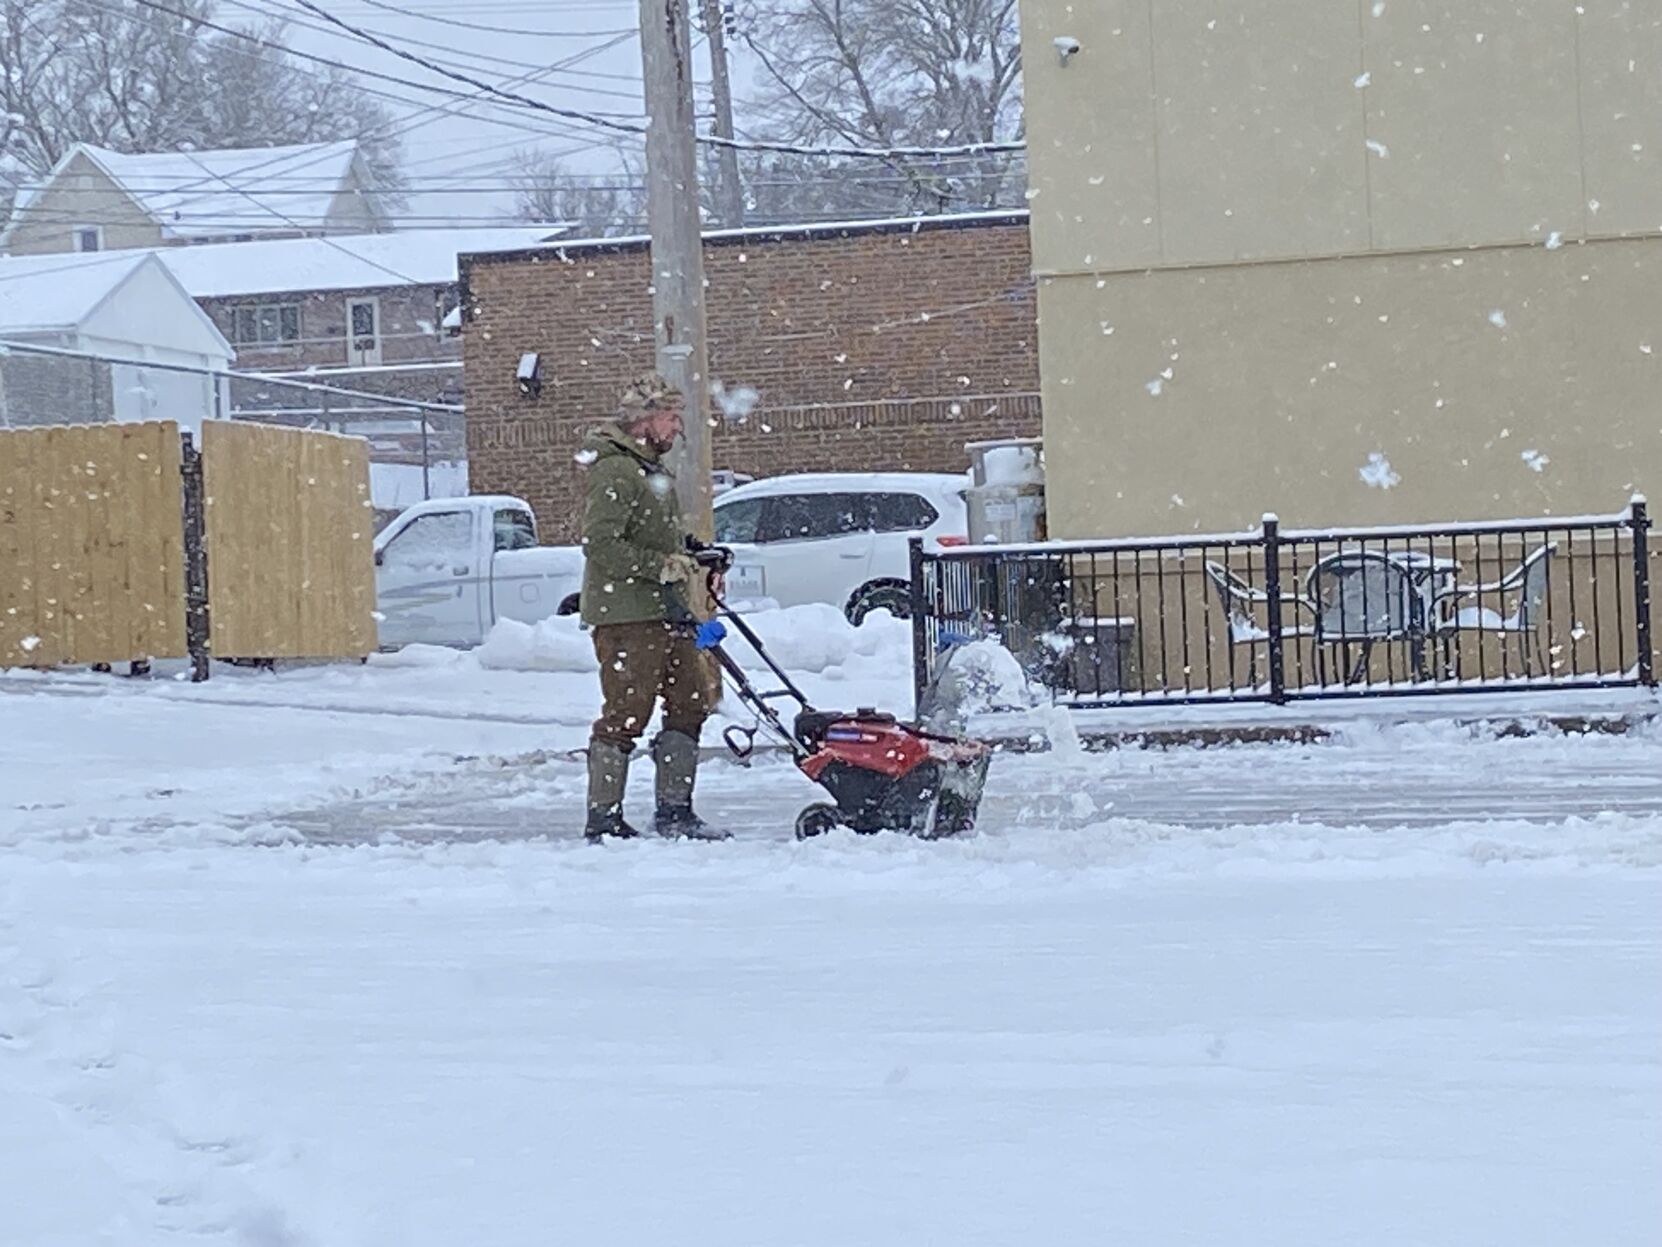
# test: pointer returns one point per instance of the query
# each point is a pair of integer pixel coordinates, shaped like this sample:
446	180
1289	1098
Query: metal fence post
920	627
1639	520
1272	590
197	636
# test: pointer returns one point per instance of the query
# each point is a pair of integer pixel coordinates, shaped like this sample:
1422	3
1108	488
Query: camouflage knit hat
647	393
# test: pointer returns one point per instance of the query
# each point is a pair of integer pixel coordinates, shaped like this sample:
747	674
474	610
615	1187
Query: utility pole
730	192
677	243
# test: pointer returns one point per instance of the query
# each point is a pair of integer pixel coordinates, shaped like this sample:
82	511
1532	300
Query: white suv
837	537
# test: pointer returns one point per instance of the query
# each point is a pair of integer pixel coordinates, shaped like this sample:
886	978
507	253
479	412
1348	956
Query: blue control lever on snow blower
711	633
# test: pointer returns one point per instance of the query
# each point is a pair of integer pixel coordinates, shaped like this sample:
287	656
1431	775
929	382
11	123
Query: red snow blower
882	774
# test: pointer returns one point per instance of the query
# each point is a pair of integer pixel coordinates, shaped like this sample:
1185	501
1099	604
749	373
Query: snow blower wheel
820	819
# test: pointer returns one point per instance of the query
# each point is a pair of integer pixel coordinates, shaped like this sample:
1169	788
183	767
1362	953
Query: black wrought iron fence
1280	615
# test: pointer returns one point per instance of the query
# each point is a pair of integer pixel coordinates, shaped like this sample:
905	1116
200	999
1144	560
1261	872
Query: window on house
89	238
266	324
446	301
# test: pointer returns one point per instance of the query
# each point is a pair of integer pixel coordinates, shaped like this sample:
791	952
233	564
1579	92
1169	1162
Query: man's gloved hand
710	557
711	633
680	569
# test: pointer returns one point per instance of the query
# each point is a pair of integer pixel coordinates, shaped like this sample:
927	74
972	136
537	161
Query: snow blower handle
755	642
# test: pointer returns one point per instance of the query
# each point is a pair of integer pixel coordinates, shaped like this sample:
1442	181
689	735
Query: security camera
529	374
1067	47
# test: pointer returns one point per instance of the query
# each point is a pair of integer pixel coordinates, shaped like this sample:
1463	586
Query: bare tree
547	192
890	73
136	79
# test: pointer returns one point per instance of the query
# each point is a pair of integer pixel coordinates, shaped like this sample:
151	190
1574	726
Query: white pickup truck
447	570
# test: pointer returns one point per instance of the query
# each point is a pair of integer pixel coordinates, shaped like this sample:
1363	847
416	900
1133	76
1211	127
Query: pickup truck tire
894	596
570	604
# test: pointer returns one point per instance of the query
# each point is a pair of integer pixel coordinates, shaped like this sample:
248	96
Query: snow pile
808	640
980	677
1013	465
816	638
557	644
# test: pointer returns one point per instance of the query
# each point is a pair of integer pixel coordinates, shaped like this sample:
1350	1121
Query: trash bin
1100	658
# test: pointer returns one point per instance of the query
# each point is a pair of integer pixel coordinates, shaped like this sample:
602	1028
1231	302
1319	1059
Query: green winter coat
631	523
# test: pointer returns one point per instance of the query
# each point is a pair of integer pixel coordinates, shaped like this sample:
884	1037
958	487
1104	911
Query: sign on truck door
427	584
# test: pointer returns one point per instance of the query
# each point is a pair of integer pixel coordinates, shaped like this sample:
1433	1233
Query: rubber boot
608	777
676	754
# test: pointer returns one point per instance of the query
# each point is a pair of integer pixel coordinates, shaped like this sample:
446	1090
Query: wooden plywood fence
91	547
289	538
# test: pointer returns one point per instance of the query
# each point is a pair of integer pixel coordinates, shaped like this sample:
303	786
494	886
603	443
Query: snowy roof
208	194
77	295
58	292
356	262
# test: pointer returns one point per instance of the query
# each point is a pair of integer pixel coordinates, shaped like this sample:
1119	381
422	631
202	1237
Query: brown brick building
839	348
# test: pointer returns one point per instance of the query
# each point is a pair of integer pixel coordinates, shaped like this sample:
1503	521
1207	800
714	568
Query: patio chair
1363	597
1529	582
1240	602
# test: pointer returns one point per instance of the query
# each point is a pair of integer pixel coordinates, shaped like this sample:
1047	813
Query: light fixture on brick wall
530	374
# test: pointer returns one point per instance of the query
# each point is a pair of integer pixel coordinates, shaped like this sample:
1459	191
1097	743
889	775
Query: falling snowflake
1555	240
583	458
1378	473
29	644
1156	387
1535	460
736	404
1497	318
1379	149
1365	80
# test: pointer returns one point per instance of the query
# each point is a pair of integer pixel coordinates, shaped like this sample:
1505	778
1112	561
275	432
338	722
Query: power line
469	183
325	239
151	365
524	102
398	127
285	16
626	128
494	30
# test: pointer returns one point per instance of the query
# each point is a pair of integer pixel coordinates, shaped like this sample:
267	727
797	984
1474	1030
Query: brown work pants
640	662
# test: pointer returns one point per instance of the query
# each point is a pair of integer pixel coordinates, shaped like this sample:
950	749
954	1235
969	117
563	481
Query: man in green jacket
641	570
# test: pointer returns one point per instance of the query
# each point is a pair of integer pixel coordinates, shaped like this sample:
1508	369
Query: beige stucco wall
1286	378
82	195
1308	212
1190	132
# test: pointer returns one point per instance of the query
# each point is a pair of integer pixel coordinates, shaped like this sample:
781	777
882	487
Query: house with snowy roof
95	199
105	338
364	313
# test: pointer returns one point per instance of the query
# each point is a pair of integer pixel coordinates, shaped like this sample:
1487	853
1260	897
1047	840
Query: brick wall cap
811	232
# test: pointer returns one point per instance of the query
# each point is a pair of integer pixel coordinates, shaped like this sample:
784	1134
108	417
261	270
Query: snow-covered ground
319	958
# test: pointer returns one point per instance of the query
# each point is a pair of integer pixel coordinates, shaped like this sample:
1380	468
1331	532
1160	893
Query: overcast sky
452	143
